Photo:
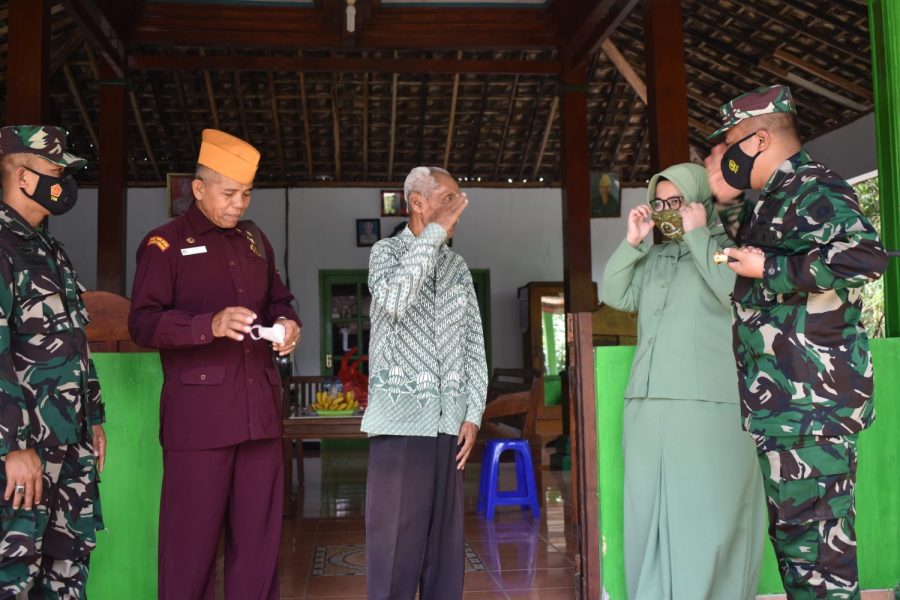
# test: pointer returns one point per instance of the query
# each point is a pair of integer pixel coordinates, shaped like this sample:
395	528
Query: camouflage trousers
46	550
809	483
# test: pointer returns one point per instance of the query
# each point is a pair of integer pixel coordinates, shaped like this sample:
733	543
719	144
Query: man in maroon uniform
202	280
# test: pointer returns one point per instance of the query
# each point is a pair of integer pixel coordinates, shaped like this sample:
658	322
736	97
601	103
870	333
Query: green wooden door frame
481	278
884	23
326	279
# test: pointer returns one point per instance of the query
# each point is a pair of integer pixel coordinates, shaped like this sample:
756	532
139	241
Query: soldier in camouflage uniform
804	369
51	439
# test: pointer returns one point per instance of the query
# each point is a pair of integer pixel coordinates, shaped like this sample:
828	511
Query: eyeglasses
661	204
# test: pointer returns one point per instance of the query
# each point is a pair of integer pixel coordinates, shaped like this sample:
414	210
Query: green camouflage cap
761	101
46	141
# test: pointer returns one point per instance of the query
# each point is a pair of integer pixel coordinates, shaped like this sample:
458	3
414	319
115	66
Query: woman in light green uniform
694	510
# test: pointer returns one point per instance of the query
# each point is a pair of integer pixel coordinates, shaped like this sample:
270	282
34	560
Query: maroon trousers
239	487
414	519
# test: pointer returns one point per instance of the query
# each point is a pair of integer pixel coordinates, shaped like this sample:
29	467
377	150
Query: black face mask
57	194
737	165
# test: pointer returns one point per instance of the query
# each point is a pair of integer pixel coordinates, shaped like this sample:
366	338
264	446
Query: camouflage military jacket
48	385
803	357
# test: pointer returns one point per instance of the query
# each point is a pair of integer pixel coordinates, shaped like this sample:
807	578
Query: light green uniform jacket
694	516
684	310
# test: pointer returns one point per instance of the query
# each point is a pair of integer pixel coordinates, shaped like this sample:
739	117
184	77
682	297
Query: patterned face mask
669	223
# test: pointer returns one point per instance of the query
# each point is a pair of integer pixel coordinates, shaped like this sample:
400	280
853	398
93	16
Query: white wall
850	150
515	233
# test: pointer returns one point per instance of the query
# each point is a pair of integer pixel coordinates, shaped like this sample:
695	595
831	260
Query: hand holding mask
274	334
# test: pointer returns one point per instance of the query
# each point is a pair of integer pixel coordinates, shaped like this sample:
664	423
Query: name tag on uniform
193	250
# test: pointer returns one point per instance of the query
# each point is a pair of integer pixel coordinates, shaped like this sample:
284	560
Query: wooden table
312	427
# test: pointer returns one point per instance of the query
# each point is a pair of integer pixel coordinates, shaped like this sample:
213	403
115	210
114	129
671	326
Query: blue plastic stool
525	494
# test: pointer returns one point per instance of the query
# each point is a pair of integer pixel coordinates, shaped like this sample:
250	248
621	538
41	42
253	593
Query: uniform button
659	311
203	377
247	351
650	340
771	270
240	290
250	380
231	263
665	284
202	337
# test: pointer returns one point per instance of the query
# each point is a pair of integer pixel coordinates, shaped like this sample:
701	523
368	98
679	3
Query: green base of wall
552	390
124	563
877	490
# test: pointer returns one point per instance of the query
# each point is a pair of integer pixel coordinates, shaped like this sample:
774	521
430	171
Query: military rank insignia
159	242
254	248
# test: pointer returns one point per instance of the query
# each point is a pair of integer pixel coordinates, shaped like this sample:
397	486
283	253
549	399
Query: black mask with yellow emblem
57	194
737	165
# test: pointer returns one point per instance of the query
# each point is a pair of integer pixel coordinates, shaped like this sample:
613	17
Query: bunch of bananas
342	401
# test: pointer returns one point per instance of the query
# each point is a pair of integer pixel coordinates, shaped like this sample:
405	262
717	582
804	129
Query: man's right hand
447	214
640	223
23	468
723	192
233	322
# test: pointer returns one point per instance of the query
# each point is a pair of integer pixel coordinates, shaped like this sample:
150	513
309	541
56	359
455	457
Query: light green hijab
691	180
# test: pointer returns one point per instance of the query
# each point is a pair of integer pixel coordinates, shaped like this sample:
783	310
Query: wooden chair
511	412
298	393
512	403
108	330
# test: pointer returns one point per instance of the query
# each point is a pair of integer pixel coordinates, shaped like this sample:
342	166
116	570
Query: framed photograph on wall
179	193
368	231
393	204
606	199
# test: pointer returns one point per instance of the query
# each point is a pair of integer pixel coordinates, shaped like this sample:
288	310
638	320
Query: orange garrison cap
230	156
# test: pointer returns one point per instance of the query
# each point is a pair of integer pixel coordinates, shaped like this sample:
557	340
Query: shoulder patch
158	241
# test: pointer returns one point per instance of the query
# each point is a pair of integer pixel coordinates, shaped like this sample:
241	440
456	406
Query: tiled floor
522	557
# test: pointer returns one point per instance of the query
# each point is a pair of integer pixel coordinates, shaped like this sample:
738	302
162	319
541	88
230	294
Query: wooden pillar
111	215
580	304
884	25
666	88
27	62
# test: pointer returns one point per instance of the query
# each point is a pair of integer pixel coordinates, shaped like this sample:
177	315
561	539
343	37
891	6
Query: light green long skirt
695	516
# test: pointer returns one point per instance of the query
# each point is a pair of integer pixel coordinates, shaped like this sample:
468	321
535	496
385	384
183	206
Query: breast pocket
39	306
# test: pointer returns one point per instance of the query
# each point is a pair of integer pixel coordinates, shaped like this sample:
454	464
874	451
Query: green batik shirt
803	359
427	368
49	391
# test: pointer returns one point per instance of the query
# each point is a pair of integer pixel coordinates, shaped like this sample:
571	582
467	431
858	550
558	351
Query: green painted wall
124	563
878	487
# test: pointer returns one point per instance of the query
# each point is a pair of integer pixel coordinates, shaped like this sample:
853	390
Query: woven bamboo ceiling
301	90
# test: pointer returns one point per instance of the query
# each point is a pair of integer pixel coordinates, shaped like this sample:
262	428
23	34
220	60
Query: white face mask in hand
274	334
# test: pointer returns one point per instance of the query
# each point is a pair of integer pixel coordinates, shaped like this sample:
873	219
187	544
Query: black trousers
414	519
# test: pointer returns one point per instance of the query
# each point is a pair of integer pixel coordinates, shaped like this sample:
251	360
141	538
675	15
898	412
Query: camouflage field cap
761	101
47	141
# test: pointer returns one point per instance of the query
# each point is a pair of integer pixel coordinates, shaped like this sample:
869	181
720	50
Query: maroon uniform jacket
217	391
